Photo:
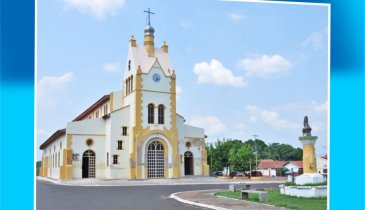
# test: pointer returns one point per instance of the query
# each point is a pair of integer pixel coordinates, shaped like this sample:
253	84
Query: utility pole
250	168
255	136
211	162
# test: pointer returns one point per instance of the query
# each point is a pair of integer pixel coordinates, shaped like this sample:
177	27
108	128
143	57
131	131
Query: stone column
310	175
309	154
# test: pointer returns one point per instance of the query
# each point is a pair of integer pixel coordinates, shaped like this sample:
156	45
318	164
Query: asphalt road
59	197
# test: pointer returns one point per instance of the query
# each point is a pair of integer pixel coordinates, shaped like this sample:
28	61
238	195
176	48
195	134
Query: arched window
126	86
161	114
131	83
151	114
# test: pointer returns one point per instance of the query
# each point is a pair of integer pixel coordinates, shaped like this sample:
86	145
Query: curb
174	196
59	182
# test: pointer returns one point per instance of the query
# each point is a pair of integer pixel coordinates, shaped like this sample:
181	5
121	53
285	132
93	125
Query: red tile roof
269	163
298	163
92	108
54	136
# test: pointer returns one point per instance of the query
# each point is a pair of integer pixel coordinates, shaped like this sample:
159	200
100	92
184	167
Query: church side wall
116	100
79	146
119	119
102	110
130	101
52	158
107	146
196	137
180	127
80	131
93	126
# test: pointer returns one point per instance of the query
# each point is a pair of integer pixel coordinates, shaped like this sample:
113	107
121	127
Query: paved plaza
145	194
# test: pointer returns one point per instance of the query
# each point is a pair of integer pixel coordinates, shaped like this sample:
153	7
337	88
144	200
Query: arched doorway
189	163
155	160
88	164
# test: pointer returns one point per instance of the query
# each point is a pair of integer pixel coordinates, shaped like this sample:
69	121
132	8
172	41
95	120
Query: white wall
79	146
117	100
268	172
100	110
193	132
81	131
321	164
53	150
149	84
156	93
156	99
193	135
292	167
93	126
119	119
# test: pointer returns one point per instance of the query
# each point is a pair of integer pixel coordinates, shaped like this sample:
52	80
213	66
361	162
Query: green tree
283	152
237	153
239	157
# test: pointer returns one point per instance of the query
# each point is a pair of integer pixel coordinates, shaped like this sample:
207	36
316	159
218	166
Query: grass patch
293	184
277	199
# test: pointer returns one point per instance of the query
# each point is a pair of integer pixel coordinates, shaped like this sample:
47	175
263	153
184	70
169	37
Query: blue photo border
346	105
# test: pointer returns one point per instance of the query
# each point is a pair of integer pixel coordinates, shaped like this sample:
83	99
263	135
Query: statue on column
307	129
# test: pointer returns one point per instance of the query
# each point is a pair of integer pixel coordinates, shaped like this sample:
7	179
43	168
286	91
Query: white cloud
265	65
251	108
211	124
271	118
274	120
187	24
320	107
240	126
236	17
253	119
316	40
112	67
216	73
42	132
96	8
50	87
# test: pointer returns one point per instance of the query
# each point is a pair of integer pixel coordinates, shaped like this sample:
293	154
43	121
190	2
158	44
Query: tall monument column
310	175
309	153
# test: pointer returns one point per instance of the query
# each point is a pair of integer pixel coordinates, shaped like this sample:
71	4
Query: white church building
134	133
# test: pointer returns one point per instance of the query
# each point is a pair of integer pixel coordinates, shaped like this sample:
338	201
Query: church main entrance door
88	164
155	160
188	163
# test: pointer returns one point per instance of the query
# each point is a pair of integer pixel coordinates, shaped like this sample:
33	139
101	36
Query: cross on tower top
148	17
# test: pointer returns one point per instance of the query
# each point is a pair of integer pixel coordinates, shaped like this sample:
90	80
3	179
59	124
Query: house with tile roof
294	166
271	168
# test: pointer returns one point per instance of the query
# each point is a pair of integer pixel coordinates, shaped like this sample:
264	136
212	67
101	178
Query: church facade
134	133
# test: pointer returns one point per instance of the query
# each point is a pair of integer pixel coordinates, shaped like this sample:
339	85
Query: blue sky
242	68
